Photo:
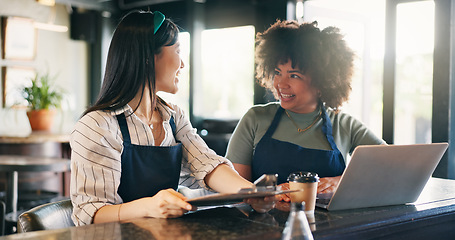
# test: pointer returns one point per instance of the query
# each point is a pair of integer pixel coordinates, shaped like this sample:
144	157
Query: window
414	72
226	88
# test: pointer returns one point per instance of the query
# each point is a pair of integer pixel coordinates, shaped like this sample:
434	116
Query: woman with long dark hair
130	147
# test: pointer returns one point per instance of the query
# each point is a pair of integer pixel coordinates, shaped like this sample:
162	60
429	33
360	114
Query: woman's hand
328	184
263	205
284	197
165	204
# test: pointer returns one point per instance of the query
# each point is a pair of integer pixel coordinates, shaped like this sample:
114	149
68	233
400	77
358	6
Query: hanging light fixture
50	26
46	2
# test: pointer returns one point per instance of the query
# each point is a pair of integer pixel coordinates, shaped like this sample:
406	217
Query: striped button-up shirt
97	146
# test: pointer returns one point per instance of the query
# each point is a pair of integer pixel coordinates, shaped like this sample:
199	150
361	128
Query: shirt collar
165	109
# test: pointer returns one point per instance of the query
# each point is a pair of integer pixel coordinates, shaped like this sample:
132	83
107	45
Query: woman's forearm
243	170
119	212
166	203
224	179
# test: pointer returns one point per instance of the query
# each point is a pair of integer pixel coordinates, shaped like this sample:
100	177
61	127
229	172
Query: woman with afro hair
309	71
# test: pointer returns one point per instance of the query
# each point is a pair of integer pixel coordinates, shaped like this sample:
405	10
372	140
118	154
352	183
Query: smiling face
167	68
294	89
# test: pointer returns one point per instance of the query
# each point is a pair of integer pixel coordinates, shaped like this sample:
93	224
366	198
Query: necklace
148	121
157	131
298	128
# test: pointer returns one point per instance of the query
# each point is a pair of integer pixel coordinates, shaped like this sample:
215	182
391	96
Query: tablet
231	198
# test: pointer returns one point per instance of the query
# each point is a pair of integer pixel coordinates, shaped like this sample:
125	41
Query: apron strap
123	128
172	123
275	121
327	129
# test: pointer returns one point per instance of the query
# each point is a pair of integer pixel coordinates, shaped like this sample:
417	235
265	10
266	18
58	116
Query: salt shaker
297	226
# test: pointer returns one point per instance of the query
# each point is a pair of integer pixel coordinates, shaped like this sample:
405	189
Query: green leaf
42	94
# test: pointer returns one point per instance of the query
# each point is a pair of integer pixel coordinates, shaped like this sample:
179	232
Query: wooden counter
38	144
37	137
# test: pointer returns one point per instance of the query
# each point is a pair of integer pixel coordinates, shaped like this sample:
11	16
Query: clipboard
231	198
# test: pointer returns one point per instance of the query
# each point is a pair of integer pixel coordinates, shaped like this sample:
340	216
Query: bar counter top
432	216
37	137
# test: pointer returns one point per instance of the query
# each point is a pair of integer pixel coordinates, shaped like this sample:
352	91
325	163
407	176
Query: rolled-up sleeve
198	159
95	165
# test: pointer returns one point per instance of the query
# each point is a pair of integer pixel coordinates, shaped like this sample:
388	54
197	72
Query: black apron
147	169
273	156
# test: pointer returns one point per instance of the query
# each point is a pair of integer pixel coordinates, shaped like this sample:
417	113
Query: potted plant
43	99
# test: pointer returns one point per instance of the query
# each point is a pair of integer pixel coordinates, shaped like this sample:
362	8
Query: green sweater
348	132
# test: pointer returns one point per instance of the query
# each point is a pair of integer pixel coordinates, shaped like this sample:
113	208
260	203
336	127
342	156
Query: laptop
382	175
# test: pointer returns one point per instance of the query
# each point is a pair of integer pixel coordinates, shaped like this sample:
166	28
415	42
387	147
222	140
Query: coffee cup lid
303	177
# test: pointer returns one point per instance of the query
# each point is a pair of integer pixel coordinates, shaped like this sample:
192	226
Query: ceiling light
50	27
46	2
